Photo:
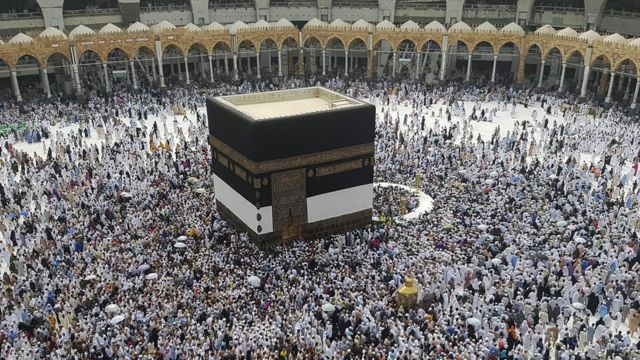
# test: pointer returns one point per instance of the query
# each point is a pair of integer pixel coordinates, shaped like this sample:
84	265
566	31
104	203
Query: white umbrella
578	305
494	174
496	261
180	245
151	276
143	267
90	277
112	308
125	194
201	190
580	240
328	308
561	223
116	319
475	322
254	281
192	179
182	238
488	182
483	227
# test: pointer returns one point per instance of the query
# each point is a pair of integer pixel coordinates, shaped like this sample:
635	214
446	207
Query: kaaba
293	163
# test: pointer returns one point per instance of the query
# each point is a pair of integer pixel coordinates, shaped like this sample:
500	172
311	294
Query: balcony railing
623	14
91	11
20	15
166	8
293	3
558	10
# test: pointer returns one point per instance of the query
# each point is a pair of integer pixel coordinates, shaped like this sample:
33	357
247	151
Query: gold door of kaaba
289	195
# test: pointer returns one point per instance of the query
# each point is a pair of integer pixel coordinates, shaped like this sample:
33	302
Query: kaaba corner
292	163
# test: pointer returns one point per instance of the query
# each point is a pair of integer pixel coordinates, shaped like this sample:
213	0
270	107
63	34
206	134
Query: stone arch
617	64
172	51
550	50
483	44
23	60
144	50
55	54
332	40
268	41
354	39
431	40
601	62
312	48
381	41
89	54
457	43
289	40
108	52
197	46
571	52
311	39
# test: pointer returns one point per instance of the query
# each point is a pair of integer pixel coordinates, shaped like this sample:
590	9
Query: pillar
493	72
541	72
564	70
186	70
153	69
469	66
226	64
585	81
258	63
324	61
626	91
620	81
107	82
346	62
417	65
160	69
395	58
280	62
445	46
133	75
210	68
47	88
235	66
16	87
635	95
369	64
612	79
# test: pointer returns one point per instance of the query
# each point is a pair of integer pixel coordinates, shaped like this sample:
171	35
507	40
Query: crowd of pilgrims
530	251
390	202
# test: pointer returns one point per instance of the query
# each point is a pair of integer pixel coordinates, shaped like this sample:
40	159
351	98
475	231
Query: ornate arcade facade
606	65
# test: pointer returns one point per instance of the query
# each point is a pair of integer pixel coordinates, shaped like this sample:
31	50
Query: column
186	70
493	72
541	73
47	88
418	65
393	67
564	70
160	69
16	87
210	68
469	66
346	62
179	70
300	60
612	79
324	61
226	64
279	62
635	95
153	69
257	63
133	75
76	77
107	83
626	91
443	68
620	81
585	81
235	66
